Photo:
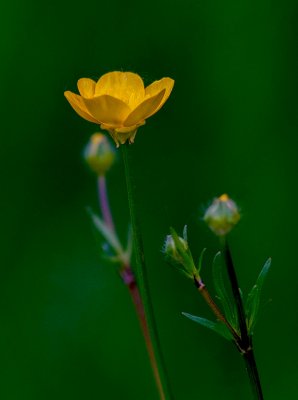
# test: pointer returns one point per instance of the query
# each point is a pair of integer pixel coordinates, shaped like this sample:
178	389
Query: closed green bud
177	253
170	248
99	154
222	215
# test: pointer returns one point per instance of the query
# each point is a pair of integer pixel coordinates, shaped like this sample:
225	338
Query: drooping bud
99	154
222	215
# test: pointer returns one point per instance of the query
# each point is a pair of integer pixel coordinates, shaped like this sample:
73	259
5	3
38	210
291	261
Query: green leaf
178	266
200	263
106	232
226	300
217	327
253	299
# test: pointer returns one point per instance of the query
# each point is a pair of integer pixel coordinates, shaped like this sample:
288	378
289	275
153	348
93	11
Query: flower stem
245	343
147	320
252	370
104	202
129	279
236	292
214	307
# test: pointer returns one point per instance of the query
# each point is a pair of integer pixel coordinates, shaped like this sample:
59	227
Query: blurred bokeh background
68	330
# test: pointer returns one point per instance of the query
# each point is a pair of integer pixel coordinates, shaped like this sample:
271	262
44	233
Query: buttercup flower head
119	103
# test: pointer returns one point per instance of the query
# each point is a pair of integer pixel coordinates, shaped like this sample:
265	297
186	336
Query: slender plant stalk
129	280
104	202
245	344
153	344
236	293
252	370
214	307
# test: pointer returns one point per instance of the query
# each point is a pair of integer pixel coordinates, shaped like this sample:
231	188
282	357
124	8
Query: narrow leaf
108	235
217	327
179	267
200	263
227	302
253	299
185	233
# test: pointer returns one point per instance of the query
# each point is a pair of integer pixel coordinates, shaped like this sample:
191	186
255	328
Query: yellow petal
86	87
125	86
145	109
157	86
108	110
77	104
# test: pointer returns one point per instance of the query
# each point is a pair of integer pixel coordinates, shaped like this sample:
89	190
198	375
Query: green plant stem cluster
233	320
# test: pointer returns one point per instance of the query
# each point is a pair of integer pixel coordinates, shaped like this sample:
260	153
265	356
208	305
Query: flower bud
177	253
170	249
222	215
99	154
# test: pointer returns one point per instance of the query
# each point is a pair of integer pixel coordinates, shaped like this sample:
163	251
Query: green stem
244	345
252	370
160	372
236	292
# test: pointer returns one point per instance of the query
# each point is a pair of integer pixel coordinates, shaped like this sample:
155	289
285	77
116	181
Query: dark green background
68	330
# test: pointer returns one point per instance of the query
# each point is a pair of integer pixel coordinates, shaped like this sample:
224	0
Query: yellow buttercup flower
119	102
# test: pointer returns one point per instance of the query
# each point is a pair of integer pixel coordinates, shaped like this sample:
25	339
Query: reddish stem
214	307
129	279
104	202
